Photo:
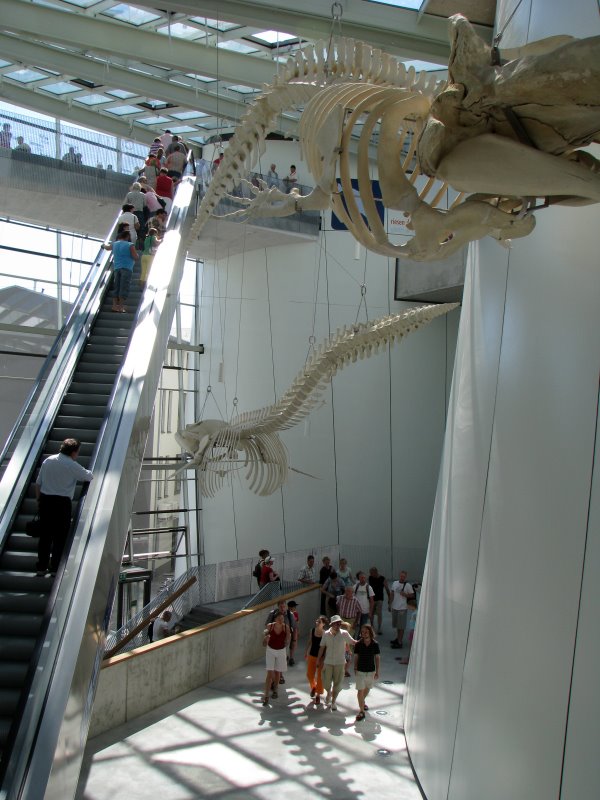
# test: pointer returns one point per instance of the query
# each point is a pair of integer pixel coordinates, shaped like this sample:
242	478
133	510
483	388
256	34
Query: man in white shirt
308	574
401	591
163	626
332	657
366	598
54	491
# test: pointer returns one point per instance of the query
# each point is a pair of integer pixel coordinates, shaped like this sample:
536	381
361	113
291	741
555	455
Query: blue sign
338	225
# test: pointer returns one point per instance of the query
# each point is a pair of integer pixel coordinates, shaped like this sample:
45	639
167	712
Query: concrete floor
220	742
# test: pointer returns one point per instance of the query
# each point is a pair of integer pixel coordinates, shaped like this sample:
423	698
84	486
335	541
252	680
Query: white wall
503	697
374	446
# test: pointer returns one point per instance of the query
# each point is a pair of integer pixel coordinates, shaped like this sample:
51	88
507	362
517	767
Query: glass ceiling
180	99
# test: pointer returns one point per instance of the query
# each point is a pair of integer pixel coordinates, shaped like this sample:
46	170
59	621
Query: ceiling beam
394	30
112	38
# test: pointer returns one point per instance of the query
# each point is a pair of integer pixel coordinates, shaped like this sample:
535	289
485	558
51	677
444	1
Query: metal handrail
157	610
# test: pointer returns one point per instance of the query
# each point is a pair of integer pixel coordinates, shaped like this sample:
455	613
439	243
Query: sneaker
317	699
291	662
274	694
265	701
333	707
396	646
313	692
379	633
282	679
394	641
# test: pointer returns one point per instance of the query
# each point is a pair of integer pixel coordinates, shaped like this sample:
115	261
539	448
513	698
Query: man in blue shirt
54	491
124	257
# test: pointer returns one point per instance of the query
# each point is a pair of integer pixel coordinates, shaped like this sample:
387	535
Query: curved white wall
503	698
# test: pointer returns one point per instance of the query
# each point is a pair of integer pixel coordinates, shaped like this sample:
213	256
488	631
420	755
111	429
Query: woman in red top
268	574
276	639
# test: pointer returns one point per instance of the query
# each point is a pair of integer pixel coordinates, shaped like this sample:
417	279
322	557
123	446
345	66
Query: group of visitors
353	603
287	183
329	646
165	165
140	230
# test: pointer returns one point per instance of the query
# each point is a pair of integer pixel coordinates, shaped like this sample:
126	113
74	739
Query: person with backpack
366	598
257	571
401	591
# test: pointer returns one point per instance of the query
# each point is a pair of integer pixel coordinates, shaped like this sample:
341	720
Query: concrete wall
144	679
503	699
373	447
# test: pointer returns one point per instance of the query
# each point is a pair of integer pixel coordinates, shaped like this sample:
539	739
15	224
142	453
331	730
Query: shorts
276	660
377	608
364	680
399	619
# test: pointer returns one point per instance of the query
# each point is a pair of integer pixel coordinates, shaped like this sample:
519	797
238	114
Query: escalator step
29	506
12	673
20	542
16	561
5	726
20	624
76	421
101	359
9	700
81	409
91	388
24	603
86	400
106	339
20	582
85	435
16	648
99	372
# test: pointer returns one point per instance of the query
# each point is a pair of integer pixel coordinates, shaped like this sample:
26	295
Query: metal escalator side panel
55	721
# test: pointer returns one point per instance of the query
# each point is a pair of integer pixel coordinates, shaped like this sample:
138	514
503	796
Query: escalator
99	388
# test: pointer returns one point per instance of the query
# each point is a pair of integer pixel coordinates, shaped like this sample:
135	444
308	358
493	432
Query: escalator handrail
70	584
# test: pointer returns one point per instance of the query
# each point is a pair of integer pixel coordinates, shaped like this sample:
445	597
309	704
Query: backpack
151	631
257	572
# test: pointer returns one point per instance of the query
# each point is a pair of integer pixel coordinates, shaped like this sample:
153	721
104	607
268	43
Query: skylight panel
237	47
189	115
131	15
241	89
181	31
93	99
25	75
157	120
182	129
5	63
274	37
63	87
412	5
216	24
202	78
122	110
82	3
120	93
